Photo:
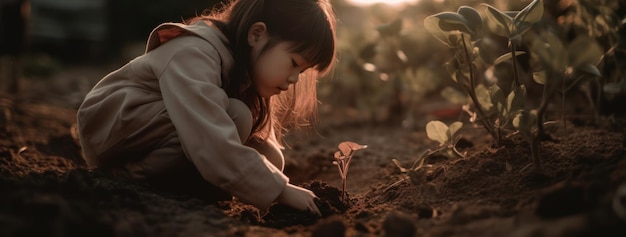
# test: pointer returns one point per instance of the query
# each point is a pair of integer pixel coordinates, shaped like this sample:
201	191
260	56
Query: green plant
493	109
342	161
447	136
512	25
564	66
602	21
417	172
460	31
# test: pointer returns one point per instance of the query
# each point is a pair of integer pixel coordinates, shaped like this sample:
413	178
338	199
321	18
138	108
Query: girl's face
274	68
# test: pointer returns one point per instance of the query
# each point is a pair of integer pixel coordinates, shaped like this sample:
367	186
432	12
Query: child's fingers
316	211
313	208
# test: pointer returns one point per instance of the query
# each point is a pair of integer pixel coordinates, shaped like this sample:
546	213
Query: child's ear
256	33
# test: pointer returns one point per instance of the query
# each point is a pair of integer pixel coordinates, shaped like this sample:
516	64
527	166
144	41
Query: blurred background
390	69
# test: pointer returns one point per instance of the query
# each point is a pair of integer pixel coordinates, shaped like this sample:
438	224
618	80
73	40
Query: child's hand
299	198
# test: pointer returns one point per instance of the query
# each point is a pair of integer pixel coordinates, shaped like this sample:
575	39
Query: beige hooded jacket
177	82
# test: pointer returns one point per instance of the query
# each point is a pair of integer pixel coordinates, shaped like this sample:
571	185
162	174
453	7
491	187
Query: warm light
390	2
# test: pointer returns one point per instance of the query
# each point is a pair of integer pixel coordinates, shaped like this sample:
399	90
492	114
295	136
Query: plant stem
540	112
344	197
457	152
534	150
472	93
469	63
515	76
547	94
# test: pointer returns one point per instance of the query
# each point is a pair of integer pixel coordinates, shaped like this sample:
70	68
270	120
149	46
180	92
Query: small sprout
446	135
342	161
447	138
418	172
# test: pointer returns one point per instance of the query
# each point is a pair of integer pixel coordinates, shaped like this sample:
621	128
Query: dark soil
492	191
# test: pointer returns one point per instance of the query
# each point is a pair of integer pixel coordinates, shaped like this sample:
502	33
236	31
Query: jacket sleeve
197	107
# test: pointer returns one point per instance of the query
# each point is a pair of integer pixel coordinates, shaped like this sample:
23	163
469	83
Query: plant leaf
507	56
454	128
452	67
516	99
431	24
524	122
484	97
583	51
511	14
339	155
521	27
532	13
501	22
540	77
497	98
452	21
589	69
474	21
348	147
550	51
437	131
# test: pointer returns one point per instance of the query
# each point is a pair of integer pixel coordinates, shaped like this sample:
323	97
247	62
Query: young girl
209	99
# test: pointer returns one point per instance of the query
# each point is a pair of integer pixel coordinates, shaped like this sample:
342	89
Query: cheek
262	73
267	70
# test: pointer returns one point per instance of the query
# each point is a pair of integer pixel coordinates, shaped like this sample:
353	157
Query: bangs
317	48
313	36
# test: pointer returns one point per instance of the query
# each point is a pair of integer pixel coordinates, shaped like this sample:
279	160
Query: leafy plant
417	172
461	30
512	25
446	135
342	161
603	22
564	66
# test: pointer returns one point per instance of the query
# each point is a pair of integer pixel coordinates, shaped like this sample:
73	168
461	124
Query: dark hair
308	24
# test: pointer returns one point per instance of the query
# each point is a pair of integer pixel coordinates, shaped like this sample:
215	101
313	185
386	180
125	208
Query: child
210	98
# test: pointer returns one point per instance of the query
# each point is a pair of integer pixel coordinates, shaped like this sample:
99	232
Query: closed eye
296	65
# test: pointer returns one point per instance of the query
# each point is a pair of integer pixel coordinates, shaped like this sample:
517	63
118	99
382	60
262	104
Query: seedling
460	31
445	135
513	25
526	123
418	173
564	66
342	161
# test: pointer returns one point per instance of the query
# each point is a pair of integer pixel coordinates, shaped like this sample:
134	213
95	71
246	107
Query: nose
293	78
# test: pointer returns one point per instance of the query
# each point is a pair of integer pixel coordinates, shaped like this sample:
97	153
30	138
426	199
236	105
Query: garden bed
492	191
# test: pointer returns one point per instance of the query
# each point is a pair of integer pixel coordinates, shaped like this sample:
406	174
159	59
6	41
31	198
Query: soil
494	190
